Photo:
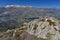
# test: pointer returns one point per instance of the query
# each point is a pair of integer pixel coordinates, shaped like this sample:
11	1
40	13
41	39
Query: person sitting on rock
46	19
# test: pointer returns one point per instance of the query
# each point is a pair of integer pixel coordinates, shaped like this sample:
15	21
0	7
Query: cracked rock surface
42	28
45	28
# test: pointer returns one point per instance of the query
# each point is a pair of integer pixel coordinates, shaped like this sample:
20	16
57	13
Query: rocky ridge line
47	28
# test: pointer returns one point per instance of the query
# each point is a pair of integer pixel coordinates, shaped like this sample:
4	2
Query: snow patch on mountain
15	6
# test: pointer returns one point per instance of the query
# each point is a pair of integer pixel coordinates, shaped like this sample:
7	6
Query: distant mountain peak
15	6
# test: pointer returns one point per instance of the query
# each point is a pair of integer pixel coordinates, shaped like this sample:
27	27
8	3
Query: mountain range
15	15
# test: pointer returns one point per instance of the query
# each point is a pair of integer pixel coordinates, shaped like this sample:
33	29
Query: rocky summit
45	28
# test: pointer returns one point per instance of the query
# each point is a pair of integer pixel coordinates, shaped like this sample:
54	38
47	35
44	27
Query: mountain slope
45	28
17	15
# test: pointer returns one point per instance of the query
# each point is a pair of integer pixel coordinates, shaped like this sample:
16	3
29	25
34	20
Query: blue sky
34	3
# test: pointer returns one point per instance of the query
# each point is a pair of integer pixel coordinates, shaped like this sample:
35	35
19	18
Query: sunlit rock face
46	27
